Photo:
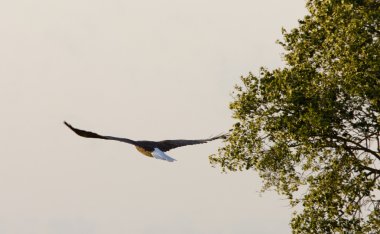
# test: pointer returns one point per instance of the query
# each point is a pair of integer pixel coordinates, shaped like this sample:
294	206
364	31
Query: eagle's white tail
157	153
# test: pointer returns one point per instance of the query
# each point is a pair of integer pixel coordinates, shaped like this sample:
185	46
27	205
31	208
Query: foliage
312	128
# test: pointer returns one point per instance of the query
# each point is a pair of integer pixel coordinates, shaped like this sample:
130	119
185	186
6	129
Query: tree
312	128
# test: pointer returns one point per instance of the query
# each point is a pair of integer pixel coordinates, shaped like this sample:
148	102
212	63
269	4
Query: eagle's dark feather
167	145
84	133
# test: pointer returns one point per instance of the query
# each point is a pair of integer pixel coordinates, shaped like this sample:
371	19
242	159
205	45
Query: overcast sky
147	69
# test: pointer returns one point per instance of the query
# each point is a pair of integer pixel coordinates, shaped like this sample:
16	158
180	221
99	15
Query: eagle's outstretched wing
88	134
172	144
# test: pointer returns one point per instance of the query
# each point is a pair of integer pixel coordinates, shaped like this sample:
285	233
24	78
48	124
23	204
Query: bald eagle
154	149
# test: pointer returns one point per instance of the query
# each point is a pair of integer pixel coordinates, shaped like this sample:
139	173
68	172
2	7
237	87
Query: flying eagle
154	149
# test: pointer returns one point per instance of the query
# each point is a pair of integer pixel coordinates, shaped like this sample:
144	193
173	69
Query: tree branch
373	170
370	169
360	147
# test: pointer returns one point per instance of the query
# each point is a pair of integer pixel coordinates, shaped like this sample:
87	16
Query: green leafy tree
312	128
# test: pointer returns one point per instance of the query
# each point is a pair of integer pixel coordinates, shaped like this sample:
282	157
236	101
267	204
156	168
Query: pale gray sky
156	69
